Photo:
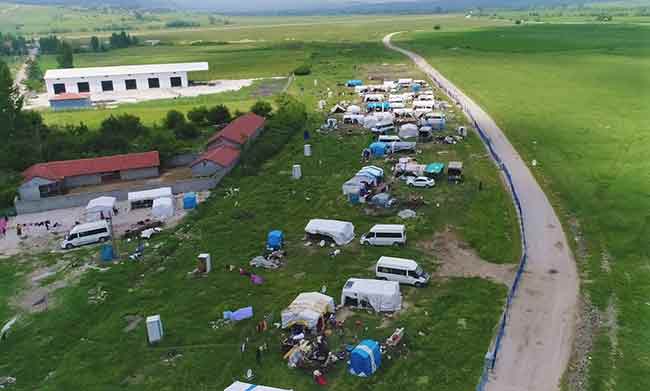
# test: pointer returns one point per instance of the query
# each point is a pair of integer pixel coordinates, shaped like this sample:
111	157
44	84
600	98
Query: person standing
19	230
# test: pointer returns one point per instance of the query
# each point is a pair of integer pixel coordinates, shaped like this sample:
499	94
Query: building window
176	81
83	86
59	88
154	82
107	85
131	84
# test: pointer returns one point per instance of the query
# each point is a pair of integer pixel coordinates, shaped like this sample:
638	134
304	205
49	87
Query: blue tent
275	240
384	106
378	149
354	83
415	87
189	201
365	359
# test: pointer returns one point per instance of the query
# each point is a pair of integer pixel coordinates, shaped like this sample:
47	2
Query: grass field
576	98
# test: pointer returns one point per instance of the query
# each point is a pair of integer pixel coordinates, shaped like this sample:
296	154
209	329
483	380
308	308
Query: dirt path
21	75
539	334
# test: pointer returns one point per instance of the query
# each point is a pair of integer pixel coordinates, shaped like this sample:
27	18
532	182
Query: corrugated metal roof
125	70
223	155
240	130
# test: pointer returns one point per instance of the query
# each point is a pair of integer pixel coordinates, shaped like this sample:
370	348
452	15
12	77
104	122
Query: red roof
70	96
241	129
223	155
68	168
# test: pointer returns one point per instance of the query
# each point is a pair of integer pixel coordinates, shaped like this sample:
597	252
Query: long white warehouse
99	80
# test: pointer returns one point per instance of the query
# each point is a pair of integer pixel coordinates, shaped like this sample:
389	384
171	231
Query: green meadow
576	98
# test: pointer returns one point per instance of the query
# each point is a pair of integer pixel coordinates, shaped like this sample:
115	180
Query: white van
385	235
81	234
385	138
404	271
383	128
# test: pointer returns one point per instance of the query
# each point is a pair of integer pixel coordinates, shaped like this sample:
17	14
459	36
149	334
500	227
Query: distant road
21	75
539	334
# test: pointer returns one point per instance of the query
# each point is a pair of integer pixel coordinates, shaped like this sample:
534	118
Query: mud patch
456	258
132	322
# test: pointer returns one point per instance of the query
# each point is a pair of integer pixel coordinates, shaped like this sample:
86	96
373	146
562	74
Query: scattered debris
6	381
97	295
7	326
133	322
407	214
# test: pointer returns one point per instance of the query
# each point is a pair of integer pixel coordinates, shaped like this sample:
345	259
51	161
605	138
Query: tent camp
342	232
163	208
144	199
365	359
308	310
239	386
408	131
375	171
381	296
356	184
353	109
98	207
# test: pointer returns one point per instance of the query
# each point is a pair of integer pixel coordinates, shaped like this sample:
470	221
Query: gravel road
537	345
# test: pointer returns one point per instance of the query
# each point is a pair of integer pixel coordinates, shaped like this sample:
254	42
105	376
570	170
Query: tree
174	119
65	58
262	108
95	45
218	115
198	115
436	27
116	134
302	70
186	131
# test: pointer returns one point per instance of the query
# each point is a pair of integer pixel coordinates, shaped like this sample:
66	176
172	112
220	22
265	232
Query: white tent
356	183
307	310
150	195
408	131
381	296
353	109
98	207
163	208
342	232
239	386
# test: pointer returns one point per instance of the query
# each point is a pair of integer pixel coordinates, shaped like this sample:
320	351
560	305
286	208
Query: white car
420	181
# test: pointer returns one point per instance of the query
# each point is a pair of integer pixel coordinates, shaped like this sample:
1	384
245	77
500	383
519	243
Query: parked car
420	181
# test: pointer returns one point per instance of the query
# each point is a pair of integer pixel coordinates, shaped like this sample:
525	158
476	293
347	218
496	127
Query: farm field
575	98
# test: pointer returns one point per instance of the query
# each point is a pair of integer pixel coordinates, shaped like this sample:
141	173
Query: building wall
118	82
29	191
139	173
82	180
71	104
206	168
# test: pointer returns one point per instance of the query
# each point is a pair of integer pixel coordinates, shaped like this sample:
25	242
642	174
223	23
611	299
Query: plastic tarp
378	149
408	131
365	359
240	314
383	200
163	208
355	184
354	83
434	168
375	171
342	232
307	309
397	146
150	194
98	206
383	296
239	386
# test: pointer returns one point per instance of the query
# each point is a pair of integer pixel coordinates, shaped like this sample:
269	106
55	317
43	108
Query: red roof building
219	160
59	170
238	132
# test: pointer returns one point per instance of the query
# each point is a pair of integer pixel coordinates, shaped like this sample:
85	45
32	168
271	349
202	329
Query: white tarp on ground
163	208
152	194
382	296
342	232
98	207
408	131
307	309
239	386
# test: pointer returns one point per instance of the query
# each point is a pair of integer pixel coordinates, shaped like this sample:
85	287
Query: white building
99	80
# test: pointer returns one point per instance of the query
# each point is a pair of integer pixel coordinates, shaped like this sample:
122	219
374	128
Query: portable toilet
378	149
189	201
107	253
154	328
275	240
365	359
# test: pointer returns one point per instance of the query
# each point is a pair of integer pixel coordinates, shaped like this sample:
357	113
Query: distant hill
288	7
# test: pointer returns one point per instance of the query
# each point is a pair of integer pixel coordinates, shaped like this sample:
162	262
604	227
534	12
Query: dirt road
539	334
21	75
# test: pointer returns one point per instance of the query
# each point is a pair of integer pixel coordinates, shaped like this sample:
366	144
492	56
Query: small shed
98	207
365	359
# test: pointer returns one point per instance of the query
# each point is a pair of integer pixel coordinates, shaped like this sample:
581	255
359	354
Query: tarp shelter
98	207
144	199
437	121
434	169
381	296
308	310
353	109
275	240
189	201
383	200
239	386
354	83
365	359
375	171
408	131
342	232
378	149
357	184
163	208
